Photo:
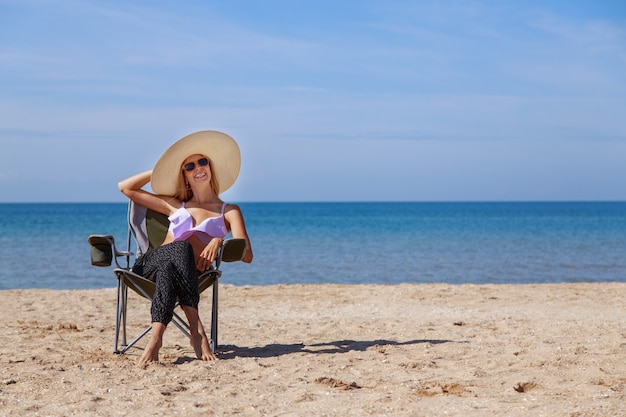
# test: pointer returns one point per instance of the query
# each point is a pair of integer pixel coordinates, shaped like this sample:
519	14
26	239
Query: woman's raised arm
132	188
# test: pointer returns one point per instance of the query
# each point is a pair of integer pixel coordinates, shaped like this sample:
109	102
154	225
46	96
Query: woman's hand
208	254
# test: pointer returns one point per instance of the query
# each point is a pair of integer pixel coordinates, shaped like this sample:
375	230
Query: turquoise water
45	245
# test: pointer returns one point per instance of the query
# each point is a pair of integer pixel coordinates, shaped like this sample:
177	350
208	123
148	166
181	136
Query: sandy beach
327	350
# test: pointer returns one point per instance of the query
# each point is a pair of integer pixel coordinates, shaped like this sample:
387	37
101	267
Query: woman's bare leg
151	351
199	340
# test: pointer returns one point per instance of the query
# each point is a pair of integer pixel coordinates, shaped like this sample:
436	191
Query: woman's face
197	168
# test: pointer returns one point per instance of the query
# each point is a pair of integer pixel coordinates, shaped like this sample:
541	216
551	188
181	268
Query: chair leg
136	339
118	318
179	322
121	346
124	311
120	322
213	341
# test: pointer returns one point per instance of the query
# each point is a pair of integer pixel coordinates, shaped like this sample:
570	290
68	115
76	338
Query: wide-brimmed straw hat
221	149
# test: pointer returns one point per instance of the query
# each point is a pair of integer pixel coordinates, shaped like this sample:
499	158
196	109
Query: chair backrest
157	225
148	227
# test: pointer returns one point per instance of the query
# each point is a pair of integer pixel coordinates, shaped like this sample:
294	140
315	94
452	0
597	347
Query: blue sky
362	100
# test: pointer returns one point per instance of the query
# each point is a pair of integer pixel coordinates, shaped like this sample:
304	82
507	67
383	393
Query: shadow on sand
340	346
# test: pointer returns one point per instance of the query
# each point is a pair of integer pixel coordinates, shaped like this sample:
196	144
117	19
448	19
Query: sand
327	350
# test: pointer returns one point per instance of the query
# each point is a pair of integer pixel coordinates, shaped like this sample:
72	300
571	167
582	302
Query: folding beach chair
149	228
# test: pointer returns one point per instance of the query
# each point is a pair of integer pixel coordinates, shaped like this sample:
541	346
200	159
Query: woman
187	181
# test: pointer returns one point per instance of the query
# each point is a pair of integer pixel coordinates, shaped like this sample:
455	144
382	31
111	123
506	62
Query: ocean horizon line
349	202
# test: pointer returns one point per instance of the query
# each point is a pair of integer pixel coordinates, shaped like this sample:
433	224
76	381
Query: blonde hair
183	193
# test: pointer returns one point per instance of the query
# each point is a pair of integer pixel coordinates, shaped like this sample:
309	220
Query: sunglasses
191	165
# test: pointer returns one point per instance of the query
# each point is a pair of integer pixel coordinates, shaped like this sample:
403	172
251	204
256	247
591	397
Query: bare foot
201	346
151	352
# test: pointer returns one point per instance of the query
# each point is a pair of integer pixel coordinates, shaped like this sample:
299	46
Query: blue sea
45	245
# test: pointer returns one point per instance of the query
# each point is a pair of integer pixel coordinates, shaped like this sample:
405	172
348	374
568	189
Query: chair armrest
233	249
102	250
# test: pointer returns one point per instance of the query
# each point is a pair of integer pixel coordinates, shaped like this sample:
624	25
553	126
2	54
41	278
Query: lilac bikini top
181	226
